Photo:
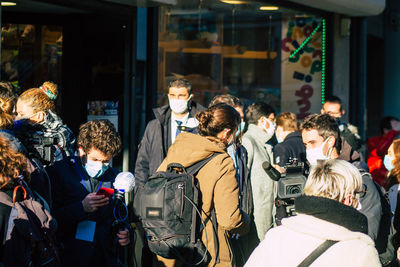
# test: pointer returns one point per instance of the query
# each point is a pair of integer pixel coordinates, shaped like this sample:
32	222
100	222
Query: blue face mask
240	128
95	169
388	162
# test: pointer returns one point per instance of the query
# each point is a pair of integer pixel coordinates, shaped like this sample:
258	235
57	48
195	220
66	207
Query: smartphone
107	192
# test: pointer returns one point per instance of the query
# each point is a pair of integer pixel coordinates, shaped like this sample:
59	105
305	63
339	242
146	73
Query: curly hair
12	164
41	99
8	98
101	135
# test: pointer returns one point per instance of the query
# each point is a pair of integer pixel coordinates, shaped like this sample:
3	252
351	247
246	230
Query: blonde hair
42	98
334	179
288	121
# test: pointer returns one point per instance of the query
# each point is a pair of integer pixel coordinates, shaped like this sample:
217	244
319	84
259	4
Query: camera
290	186
46	147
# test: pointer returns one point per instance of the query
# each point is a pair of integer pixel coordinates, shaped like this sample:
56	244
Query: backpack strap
14	198
193	170
317	252
215	227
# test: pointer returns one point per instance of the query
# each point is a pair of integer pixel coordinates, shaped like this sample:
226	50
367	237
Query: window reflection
31	54
241	50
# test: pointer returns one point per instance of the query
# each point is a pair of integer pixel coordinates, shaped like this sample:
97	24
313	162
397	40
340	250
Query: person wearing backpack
216	179
85	217
328	230
27	230
243	245
12	164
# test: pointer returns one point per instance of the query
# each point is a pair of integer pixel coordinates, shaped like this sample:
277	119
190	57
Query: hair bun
204	117
50	89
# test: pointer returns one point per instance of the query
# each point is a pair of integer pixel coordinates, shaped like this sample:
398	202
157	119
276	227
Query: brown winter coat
218	187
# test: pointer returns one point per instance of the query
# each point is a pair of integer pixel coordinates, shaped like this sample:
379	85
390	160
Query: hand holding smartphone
107	192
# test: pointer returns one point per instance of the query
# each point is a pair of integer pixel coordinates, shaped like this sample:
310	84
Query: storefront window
31	54
247	50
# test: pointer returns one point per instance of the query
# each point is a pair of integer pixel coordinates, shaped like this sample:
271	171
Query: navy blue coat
68	192
291	147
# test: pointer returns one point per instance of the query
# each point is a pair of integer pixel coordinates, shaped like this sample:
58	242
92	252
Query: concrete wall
341	63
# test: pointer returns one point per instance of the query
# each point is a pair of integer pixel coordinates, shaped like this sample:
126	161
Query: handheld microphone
124	183
273	173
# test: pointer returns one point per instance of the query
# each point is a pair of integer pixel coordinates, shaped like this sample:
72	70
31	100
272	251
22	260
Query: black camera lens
293	189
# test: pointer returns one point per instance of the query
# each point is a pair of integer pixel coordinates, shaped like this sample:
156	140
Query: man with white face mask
161	132
321	136
85	218
260	117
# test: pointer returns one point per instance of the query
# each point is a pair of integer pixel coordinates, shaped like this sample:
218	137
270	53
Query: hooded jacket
156	141
218	187
319	219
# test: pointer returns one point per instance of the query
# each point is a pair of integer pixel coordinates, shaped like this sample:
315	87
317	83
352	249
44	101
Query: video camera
290	184
46	147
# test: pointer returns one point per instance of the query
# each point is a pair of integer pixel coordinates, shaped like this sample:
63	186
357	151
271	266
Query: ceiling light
8	4
269	8
233	2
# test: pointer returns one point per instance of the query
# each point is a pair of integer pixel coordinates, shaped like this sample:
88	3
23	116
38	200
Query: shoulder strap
197	166
317	252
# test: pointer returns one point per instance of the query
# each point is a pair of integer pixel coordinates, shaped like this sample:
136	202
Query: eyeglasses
362	192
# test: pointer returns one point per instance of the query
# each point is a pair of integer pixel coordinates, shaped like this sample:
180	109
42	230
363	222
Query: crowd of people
273	191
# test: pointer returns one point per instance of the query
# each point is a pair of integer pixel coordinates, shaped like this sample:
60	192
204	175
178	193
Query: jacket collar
257	133
52	121
293	135
332	211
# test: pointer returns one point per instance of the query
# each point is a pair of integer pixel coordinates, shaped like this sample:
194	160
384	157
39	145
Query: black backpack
30	238
169	207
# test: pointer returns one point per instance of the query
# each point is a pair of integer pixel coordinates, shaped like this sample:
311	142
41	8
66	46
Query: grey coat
258	151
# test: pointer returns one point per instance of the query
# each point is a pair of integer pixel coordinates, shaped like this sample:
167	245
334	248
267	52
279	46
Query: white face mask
96	169
269	131
179	106
315	154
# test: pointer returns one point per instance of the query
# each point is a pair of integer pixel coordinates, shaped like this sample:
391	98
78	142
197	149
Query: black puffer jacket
156	141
